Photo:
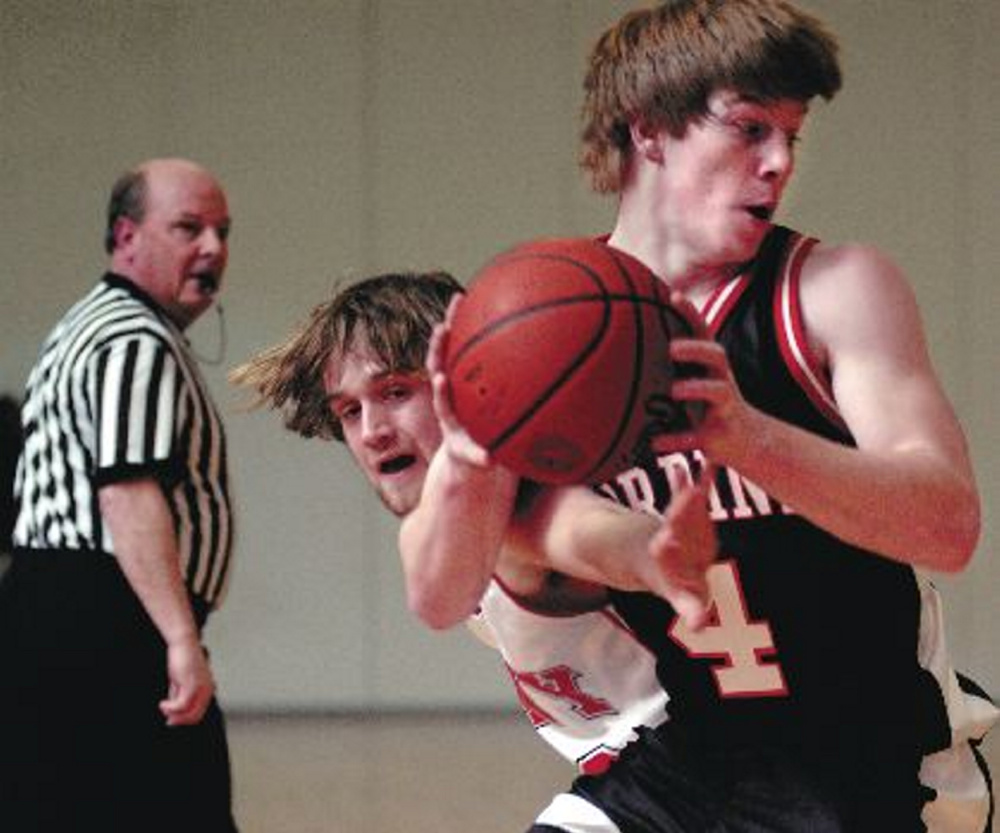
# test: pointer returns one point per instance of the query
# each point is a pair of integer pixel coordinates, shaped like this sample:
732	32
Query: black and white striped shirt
115	395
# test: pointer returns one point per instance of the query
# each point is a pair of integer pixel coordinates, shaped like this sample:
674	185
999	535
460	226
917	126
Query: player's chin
744	237
399	498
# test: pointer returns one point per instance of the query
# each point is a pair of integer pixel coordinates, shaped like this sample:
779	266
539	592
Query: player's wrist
183	637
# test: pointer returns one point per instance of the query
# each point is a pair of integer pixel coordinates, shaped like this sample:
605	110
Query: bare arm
141	526
907	490
576	532
450	543
467	527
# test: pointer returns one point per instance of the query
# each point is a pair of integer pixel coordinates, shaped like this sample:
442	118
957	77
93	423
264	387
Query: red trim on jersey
597	761
800	360
607	611
520	602
614	617
722	300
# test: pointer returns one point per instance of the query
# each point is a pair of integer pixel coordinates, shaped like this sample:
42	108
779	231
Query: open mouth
208	282
395	465
761	212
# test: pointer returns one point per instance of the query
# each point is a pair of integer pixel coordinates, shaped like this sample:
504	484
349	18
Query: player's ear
647	139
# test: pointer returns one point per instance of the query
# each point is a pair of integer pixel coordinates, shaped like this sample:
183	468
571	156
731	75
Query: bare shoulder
850	266
852	288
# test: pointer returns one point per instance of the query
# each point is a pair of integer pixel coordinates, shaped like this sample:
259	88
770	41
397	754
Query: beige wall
356	136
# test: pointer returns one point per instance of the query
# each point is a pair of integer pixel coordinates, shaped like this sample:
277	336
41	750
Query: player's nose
777	157
376	427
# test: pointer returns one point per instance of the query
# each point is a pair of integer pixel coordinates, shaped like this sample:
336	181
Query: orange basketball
558	363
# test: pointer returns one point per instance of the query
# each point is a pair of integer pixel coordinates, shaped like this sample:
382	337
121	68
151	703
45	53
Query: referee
122	539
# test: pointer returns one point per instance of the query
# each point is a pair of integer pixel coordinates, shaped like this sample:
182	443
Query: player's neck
674	263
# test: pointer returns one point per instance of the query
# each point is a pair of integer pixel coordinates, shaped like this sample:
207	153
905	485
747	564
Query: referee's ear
121	234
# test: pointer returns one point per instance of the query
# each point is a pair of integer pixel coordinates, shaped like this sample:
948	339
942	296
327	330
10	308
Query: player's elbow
950	531
436	610
437	618
960	535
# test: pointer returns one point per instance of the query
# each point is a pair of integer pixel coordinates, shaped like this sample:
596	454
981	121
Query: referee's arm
141	526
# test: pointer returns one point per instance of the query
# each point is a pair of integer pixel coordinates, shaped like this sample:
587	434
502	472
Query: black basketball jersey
812	642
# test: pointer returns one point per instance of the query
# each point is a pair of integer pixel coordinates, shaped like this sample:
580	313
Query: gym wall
356	137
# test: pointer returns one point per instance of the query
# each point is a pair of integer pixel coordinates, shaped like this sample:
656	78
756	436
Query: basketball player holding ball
841	467
582	677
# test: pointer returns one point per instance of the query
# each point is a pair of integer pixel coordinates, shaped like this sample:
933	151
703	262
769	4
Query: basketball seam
669	319
637	367
568	372
547	393
525	312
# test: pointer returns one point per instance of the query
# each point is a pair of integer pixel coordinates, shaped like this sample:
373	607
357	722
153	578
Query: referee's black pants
83	745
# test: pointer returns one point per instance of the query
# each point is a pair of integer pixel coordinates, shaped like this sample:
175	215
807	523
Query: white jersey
586	682
963	794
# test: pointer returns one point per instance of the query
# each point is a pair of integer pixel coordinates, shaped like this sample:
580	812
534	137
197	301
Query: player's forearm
906	503
573	531
450	543
142	529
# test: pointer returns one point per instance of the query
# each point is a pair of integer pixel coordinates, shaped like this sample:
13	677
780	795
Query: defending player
355	372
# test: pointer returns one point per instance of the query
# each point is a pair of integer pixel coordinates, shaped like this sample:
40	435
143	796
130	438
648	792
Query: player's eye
347	412
397	393
753	131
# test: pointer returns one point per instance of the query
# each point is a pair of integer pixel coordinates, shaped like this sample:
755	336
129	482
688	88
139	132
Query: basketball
557	360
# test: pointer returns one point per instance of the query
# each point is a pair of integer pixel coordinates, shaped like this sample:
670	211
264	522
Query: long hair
393	315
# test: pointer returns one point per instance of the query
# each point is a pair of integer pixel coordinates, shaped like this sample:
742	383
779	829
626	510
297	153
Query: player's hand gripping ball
558	360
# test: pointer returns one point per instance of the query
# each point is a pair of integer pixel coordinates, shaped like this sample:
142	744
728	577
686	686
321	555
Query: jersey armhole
793	342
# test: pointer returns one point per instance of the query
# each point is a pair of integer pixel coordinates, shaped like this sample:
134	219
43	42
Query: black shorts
664	783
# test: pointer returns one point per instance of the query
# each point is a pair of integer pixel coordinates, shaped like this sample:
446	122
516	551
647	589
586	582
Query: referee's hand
191	683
